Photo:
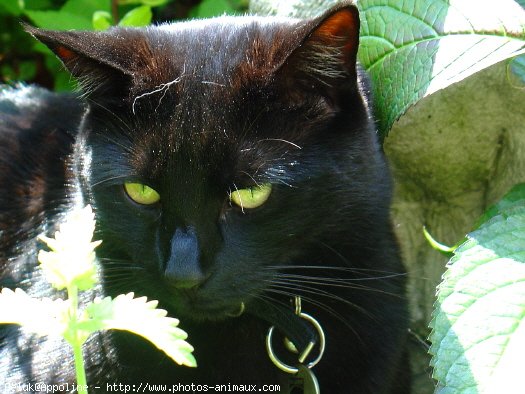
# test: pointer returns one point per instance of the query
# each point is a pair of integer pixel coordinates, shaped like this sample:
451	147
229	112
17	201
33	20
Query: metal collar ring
291	369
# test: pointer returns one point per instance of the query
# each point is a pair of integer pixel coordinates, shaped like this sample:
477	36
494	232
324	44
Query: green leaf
39	4
7	72
210	8
40	316
517	67
102	20
513	198
59	20
137	17
75	14
478	326
151	3
13	7
27	70
86	7
412	48
140	317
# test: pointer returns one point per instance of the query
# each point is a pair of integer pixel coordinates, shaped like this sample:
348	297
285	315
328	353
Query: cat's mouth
212	312
192	305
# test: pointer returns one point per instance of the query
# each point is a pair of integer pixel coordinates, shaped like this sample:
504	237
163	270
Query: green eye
141	194
252	197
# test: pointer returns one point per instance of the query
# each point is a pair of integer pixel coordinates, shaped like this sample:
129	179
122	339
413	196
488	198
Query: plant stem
114	11
76	343
80	370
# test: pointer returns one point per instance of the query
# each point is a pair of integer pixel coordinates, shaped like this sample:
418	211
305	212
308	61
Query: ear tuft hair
94	58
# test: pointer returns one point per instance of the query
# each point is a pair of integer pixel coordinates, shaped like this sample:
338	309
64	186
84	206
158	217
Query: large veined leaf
412	48
478	329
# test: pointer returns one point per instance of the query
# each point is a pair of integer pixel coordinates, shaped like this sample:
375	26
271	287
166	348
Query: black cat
233	164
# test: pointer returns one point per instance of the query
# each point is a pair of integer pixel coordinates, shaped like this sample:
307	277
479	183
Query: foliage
71	265
478	329
479	315
24	59
411	49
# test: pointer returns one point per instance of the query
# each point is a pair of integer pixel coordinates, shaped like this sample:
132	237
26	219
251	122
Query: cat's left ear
327	54
107	64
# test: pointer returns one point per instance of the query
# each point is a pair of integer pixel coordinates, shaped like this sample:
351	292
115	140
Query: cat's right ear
326	56
101	61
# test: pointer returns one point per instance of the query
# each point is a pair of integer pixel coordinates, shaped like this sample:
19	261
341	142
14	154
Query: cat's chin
212	314
200	310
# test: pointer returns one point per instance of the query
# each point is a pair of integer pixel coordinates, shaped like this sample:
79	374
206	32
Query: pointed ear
327	55
104	62
338	29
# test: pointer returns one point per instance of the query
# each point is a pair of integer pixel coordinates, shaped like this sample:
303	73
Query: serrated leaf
137	17
412	48
478	325
139	316
40	316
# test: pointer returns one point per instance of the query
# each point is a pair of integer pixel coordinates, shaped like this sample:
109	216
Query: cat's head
215	151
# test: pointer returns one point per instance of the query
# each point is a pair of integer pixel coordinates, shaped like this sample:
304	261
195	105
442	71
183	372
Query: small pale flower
71	259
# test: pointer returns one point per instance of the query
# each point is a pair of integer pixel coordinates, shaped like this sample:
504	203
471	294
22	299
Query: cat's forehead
220	45
215	82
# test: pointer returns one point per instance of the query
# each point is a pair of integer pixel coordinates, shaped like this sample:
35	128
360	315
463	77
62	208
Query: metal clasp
302	357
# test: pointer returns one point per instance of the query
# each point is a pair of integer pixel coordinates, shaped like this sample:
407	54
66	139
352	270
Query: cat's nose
183	270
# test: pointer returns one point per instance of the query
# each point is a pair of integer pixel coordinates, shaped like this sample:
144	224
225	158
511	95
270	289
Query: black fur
196	110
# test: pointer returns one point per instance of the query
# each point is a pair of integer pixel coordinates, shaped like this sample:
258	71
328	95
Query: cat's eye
141	194
251	197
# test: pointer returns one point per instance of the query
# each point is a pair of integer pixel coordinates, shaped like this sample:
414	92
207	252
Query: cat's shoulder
37	129
30	110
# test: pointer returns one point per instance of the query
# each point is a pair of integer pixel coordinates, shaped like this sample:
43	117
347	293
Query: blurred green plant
71	265
24	59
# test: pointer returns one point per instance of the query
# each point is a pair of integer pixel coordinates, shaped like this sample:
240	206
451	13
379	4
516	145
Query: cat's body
198	111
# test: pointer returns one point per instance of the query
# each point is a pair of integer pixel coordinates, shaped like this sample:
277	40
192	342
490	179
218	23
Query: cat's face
214	151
